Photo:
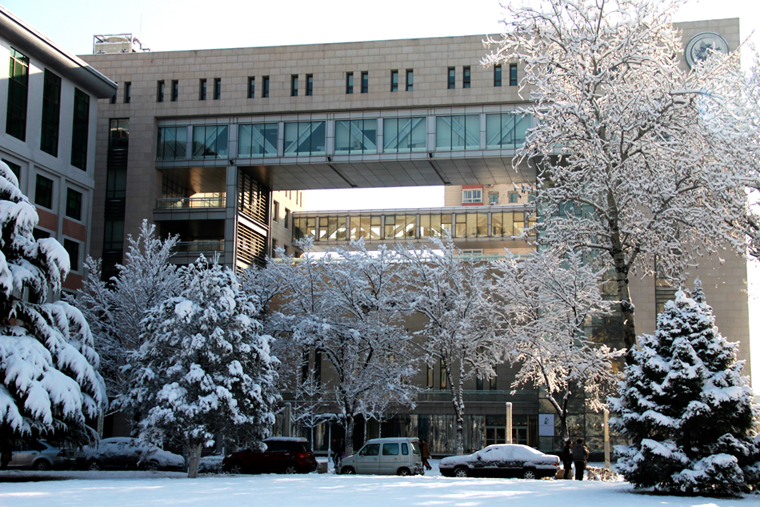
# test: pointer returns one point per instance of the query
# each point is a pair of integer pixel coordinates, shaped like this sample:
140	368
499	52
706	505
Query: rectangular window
275	211
202	89
454	133
15	168
365	82
309	85
73	204
409	80
394	80
349	83
127	92
43	192
472	196
257	140
497	76
112	100
493	198
429	379
442	376
80	130
217	88
512	74
172	143
210	141
466	77
287	219
72	248
265	87
404	134
294	85
51	113
160	87
305	138
355	136
514	198
175	90
113	235
452	78
251	87
506	130
18	93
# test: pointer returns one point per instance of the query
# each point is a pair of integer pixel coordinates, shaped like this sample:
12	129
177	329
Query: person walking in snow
567	459
580	456
425	450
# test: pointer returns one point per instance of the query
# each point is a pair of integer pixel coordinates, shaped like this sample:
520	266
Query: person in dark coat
580	457
425	451
567	459
6	454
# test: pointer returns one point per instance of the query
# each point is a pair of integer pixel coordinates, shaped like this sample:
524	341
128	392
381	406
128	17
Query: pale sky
169	25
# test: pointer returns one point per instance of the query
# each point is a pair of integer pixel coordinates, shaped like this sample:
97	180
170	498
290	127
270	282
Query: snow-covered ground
145	489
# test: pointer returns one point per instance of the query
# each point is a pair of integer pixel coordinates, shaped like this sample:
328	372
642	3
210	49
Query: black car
285	455
502	460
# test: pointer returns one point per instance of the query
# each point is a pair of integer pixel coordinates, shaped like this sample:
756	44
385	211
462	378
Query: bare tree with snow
115	308
451	293
204	368
345	307
549	301
638	159
49	381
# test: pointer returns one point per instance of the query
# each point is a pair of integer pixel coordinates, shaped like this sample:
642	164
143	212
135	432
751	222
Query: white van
386	456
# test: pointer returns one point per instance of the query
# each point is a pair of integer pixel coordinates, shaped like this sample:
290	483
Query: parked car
501	460
41	455
386	456
287	455
124	453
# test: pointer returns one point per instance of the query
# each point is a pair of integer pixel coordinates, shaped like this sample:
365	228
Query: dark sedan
502	460
286	455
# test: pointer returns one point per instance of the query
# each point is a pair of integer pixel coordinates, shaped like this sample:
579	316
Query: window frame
73	204
251	87
202	89
497	76
127	92
51	113
43	191
409	80
452	78
294	85
349	83
466	77
217	88
160	87
309	85
365	82
265	87
512	74
394	80
80	130
472	196
174	90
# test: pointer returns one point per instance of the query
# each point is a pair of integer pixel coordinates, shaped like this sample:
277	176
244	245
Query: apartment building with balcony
219	145
48	112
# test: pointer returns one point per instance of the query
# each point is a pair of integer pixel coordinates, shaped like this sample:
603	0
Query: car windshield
416	448
370	450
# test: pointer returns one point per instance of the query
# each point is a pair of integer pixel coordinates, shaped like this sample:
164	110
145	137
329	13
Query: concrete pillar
606	439
509	423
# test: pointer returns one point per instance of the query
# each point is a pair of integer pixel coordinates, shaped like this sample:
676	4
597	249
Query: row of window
16	118
475	196
433	225
295	84
400	135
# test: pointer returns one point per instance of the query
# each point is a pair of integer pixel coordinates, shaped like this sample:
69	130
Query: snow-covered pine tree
204	367
49	381
685	407
115	309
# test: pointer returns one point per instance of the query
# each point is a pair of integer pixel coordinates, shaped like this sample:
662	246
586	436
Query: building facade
219	145
48	112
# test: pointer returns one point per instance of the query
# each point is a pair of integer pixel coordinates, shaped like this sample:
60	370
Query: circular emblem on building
700	46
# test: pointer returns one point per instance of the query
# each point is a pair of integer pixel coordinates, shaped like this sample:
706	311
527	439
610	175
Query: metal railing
177	203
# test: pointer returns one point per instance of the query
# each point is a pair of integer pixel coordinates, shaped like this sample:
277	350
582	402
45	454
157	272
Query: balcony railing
200	246
181	203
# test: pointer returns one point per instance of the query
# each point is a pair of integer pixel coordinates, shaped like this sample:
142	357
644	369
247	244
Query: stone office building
219	145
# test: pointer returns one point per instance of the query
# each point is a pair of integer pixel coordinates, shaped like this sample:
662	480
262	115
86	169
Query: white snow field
145	489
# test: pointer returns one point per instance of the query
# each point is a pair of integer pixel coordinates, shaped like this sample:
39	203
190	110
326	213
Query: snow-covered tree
203	367
115	308
549	301
49	381
451	293
685	407
345	306
638	159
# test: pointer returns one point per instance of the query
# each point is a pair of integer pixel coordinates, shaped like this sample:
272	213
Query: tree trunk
193	459
622	268
457	399
349	441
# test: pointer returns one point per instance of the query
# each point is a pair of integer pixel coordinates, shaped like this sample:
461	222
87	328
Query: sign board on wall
545	425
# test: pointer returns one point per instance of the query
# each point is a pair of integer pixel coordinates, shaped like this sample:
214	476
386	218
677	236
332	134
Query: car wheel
41	465
93	465
236	468
461	472
348	470
152	466
529	474
291	468
403	472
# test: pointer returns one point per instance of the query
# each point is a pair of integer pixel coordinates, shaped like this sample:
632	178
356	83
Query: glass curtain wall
305	138
210	141
506	130
457	132
257	140
355	136
403	135
172	143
